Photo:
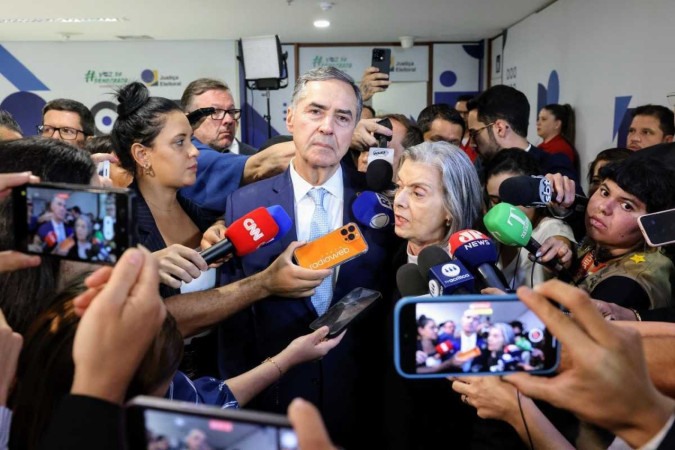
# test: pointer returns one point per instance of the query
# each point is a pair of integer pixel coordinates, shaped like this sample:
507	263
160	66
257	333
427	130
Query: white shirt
234	147
304	205
59	231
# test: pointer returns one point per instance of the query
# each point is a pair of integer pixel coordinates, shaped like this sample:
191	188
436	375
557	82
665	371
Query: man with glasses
498	119
224	163
67	120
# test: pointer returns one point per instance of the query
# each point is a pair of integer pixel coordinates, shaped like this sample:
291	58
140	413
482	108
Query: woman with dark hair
613	262
82	244
601	160
514	262
555	125
25	292
46	369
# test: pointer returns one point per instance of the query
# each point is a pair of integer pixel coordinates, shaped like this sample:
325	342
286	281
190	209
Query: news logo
450	270
253	229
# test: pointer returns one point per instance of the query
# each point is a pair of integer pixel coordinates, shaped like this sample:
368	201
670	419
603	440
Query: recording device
75	222
379	174
373	210
248	233
103	169
383	139
477	252
534	191
346	311
536	351
151	422
446	276
382	60
410	282
658	228
511	227
198	114
332	249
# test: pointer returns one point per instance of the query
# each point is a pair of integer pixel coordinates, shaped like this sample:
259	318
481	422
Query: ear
140	154
500	128
289	119
668	138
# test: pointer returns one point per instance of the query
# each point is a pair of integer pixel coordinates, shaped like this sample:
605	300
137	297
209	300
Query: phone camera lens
351	228
343	232
351	237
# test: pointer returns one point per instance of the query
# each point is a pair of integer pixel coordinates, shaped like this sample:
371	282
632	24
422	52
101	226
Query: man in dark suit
322	117
498	119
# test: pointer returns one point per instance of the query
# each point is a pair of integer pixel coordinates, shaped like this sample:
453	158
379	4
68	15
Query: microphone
444	348
534	191
245	235
378	175
511	227
477	252
283	220
409	281
373	210
446	276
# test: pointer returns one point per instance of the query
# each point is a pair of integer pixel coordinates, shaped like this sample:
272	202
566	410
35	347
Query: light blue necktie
320	226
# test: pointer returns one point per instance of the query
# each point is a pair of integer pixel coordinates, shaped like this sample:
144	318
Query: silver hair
462	196
324	73
507	332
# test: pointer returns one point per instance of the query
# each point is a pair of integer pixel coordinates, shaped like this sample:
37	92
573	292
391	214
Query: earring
148	170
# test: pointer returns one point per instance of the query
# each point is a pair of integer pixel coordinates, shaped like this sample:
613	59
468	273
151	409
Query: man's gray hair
461	187
325	73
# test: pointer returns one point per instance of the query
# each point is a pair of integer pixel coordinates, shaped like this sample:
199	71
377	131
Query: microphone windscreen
373	210
508	224
378	175
410	282
473	248
526	191
281	217
251	231
429	257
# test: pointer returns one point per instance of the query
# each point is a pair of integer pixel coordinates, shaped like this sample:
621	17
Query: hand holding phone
381	59
658	228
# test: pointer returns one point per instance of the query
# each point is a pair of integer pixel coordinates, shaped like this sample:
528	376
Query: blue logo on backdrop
622	119
550	93
448	78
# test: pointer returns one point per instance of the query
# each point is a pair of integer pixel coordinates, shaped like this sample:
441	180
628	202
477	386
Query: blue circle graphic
448	78
148	76
107	121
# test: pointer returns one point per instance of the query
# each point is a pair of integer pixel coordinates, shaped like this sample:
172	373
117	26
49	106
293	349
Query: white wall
601	50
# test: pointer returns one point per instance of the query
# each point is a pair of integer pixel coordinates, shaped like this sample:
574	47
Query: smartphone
346	311
658	228
160	423
332	249
76	222
382	139
198	114
382	59
493	346
103	169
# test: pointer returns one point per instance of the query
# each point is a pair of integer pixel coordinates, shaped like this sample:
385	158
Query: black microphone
479	254
378	175
534	191
446	276
409	281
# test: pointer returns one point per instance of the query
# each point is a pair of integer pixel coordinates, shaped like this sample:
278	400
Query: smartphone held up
76	222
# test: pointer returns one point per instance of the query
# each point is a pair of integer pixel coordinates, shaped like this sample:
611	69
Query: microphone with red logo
445	348
446	276
248	233
477	252
50	239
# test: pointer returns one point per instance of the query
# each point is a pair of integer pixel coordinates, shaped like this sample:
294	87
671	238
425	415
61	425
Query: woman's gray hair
462	195
325	73
507	332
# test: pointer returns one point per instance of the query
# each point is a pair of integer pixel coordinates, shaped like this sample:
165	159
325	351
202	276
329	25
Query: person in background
103	144
67	120
555	126
463	110
9	128
446	330
400	125
651	125
441	123
368	112
601	160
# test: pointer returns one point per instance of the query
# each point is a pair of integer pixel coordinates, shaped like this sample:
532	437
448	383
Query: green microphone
510	226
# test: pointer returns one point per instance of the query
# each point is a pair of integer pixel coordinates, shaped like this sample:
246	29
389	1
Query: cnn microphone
409	281
446	276
379	174
373	210
511	227
534	191
477	252
445	348
244	235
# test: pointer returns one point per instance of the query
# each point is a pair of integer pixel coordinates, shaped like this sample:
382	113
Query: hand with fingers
372	82
178	263
285	278
10	348
363	137
606	382
309	426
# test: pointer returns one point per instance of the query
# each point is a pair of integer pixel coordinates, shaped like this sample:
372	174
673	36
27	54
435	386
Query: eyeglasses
66	133
474	133
219	114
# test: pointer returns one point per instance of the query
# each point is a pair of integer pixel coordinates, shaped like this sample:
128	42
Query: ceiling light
63	20
321	23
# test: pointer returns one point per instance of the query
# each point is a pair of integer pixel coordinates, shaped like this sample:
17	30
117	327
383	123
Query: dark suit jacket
336	383
245	149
